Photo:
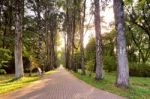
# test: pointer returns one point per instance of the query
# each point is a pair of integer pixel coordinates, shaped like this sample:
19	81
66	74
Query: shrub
5	56
139	69
2	71
109	63
11	65
90	66
77	60
33	63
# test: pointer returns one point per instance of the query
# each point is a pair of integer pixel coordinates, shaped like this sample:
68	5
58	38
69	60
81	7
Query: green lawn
139	86
7	83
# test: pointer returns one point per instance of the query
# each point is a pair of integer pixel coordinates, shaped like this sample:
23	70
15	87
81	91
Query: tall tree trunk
82	37
47	31
72	40
65	52
73	43
4	34
18	40
68	56
1	6
68	43
39	43
122	61
5	30
52	50
99	64
1	18
48	47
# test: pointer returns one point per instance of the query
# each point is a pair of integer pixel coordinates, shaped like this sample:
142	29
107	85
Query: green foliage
90	66
139	69
90	49
137	30
5	56
2	71
109	63
127	2
77	60
90	55
108	42
109	60
33	63
26	59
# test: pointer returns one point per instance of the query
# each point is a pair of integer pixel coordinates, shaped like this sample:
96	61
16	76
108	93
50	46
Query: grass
50	72
7	82
139	86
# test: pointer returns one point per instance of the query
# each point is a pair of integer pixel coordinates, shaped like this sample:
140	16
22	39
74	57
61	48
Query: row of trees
35	26
78	11
128	25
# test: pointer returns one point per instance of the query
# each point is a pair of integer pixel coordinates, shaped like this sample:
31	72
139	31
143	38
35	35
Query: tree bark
68	40
48	47
40	35
73	37
52	50
82	37
1	6
122	61
18	41
99	64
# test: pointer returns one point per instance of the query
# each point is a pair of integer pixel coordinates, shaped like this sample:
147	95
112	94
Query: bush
2	71
90	66
109	63
5	56
77	60
10	66
33	63
26	63
139	69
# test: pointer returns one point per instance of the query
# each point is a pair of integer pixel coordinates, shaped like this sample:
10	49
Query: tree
122	61
32	35
72	29
68	34
137	23
99	63
18	39
38	10
82	37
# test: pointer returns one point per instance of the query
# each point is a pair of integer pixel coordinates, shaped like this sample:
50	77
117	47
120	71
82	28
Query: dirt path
60	85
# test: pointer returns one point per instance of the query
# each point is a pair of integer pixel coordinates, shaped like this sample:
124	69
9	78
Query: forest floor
59	85
139	86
